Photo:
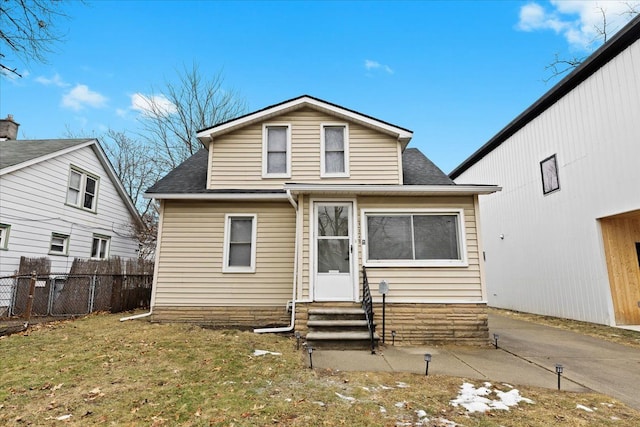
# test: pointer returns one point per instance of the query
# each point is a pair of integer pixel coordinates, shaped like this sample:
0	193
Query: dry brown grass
99	371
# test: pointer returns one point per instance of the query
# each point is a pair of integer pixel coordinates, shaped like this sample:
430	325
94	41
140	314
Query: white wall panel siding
32	201
189	268
551	260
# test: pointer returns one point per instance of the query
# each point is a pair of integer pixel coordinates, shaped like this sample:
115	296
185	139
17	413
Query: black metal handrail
367	305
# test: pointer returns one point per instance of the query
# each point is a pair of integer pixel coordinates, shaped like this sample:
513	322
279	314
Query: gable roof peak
403	135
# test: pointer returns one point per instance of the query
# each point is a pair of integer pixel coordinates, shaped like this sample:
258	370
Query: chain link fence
72	294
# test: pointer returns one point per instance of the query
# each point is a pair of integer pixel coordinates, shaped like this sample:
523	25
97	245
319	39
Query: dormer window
276	150
334	161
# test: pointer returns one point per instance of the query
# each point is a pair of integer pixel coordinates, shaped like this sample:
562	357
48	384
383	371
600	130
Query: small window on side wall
4	236
239	243
100	247
549	170
82	190
59	244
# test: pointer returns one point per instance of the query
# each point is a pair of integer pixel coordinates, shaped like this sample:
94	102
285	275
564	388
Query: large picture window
82	191
335	150
239	243
276	151
425	237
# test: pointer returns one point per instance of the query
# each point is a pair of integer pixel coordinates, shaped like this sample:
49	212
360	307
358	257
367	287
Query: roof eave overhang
392	190
217	196
402	135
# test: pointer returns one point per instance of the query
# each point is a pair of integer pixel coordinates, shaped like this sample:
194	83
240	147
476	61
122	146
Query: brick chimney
8	128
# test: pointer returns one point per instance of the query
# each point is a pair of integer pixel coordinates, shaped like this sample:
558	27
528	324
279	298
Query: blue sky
453	72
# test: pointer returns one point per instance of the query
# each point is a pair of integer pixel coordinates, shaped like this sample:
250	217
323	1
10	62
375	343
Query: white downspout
295	277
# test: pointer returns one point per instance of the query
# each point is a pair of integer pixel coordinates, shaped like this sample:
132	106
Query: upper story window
4	236
100	247
83	189
334	141
240	243
276	150
549	170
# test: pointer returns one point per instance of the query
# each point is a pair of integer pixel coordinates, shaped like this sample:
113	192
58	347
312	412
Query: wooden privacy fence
72	294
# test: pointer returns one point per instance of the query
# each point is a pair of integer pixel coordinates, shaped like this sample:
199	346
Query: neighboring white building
563	237
61	199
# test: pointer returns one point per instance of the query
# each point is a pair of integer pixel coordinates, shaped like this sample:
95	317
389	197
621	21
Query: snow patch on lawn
480	400
264	352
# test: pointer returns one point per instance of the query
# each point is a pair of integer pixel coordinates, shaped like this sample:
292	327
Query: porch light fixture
559	370
427	359
297	335
393	337
310	351
495	340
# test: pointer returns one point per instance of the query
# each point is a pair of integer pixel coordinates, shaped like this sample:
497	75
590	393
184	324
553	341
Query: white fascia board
403	135
36	160
394	189
217	196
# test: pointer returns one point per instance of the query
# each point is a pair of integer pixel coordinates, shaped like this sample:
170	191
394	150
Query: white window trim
265	146
5	230
65	250
83	187
227	236
323	173
462	241
108	248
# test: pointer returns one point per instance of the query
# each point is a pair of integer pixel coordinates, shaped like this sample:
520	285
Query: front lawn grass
99	371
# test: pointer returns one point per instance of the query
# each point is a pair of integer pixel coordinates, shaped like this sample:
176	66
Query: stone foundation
224	317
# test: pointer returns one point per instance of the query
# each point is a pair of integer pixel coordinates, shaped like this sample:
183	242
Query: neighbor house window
83	189
276	151
240	243
59	244
334	160
420	238
549	169
100	247
4	236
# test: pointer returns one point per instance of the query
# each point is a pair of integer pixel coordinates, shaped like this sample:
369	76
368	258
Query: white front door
333	251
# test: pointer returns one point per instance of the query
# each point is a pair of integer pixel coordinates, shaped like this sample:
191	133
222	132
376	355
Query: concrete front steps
339	329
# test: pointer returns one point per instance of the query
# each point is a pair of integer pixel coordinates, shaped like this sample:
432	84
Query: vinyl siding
551	260
413	284
32	201
191	256
236	159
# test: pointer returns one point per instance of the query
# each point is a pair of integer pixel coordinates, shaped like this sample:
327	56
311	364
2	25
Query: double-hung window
334	142
276	150
4	236
414	238
59	244
100	247
82	191
239	243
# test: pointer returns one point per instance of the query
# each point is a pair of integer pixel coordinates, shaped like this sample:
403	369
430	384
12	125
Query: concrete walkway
527	355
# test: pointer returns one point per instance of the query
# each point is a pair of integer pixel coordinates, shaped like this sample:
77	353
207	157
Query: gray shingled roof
14	152
191	176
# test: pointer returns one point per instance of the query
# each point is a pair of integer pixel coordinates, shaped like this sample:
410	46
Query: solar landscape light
393	337
559	370
310	351
427	359
495	340
297	335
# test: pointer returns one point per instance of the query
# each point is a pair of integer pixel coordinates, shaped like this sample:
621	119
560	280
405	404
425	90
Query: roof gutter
216	196
413	190
295	275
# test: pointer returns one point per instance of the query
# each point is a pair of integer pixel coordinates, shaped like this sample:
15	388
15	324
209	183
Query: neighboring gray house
563	237
60	198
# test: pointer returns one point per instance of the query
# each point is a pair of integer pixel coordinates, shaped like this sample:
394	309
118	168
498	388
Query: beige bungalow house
297	216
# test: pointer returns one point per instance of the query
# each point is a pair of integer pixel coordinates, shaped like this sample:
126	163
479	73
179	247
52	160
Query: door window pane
333	221
333	255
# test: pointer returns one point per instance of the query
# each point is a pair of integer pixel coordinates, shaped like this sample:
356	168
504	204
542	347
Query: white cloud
56	80
81	96
578	21
156	105
373	65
